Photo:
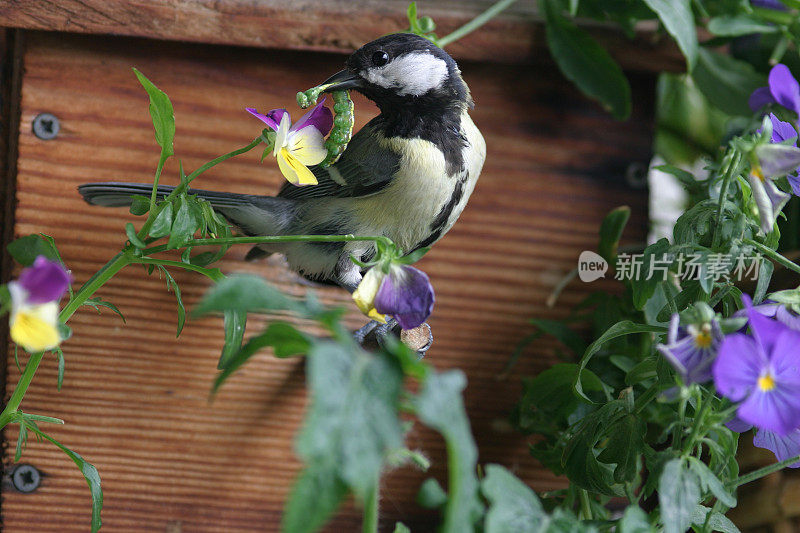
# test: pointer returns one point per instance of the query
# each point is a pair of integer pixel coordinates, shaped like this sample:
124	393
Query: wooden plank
135	398
330	25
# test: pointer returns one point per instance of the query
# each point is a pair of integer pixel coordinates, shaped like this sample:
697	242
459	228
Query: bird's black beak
341	81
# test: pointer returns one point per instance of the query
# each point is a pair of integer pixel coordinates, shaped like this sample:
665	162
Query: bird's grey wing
365	167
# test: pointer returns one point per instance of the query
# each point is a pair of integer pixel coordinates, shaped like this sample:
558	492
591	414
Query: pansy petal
44	281
319	116
785	359
765	330
784	447
271	119
787	317
782	131
794	182
784	87
364	295
406	293
738	425
307	146
282	133
35	328
777	159
760	97
295	172
738	366
772	410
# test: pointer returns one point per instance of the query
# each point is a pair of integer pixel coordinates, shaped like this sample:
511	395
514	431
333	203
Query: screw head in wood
46	126
26	478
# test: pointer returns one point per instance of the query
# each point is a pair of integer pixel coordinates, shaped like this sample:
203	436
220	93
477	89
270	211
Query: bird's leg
374	335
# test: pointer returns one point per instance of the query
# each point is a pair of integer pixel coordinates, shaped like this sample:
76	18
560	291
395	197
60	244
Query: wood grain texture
135	399
330	25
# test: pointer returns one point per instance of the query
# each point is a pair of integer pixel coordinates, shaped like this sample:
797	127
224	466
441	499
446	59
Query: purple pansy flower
692	349
33	322
301	145
404	292
782	88
762	372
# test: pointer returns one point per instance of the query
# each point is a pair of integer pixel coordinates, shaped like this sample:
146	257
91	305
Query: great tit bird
407	174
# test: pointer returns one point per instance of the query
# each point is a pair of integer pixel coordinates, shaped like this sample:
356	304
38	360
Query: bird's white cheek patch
411	74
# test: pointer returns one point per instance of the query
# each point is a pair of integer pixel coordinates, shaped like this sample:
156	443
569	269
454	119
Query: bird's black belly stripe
439	223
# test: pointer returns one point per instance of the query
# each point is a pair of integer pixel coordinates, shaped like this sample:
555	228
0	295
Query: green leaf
439	405
579	457
718	521
401	528
139	205
634	520
353	418
726	82
413	257
709	482
679	494
283	337
611	231
22	441
625	445
655	261
89	473
583	61
677	18
234	325
26	249
184	225
61	365
245	293
740	24
315	496
431	495
163	222
624	327
687	179
549	395
172	284
97	303
162	113
130	231
514	507
765	270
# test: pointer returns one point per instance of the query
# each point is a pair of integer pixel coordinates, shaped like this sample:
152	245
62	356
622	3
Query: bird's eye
380	58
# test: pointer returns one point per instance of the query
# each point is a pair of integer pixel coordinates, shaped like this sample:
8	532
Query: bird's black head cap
402	71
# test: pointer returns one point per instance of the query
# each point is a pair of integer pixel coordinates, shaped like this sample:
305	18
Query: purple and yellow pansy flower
300	145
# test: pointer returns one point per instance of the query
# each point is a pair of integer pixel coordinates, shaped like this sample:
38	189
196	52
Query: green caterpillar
343	120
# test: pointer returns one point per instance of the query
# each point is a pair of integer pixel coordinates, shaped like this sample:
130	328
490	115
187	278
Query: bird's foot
374	335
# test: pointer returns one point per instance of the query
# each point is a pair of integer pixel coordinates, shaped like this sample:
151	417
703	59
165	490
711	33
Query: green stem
676	437
19	391
153	194
117	263
732	169
475	23
698	423
371	510
765	471
772	254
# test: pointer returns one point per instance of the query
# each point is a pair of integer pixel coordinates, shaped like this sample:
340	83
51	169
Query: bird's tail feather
120	194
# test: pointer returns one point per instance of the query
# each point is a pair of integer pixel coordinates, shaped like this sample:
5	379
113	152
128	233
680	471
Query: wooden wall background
135	399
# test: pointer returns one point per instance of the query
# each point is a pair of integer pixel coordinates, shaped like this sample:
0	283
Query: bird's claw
374	335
